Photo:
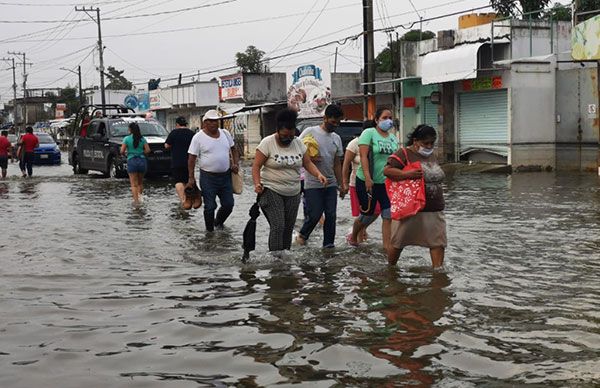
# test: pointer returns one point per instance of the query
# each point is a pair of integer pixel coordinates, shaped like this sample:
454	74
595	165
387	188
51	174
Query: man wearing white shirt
212	147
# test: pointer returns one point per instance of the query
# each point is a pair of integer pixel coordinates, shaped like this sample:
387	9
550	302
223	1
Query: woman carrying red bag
427	228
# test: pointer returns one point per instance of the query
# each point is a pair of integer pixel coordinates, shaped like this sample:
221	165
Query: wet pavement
95	292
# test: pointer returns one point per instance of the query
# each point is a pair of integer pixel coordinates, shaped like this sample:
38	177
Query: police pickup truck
99	147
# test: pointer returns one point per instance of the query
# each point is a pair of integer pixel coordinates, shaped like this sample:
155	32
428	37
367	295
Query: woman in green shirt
136	148
370	181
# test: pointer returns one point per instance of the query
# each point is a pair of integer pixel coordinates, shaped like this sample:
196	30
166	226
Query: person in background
29	142
427	228
276	176
178	142
349	168
218	158
5	152
85	123
323	200
376	144
136	148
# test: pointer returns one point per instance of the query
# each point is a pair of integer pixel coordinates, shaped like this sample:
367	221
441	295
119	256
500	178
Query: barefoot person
349	169
178	142
276	176
428	227
370	181
136	148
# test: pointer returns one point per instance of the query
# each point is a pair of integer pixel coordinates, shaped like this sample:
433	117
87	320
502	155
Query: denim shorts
137	164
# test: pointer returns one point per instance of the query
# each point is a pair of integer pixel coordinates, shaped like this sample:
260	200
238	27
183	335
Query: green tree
116	80
383	61
517	7
559	12
251	61
585	6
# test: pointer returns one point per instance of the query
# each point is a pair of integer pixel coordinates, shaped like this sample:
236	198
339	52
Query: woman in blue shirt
136	147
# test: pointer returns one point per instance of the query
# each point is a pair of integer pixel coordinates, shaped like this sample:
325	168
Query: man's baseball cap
211	115
181	120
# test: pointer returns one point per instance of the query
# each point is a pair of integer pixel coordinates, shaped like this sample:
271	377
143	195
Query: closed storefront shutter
483	122
430	112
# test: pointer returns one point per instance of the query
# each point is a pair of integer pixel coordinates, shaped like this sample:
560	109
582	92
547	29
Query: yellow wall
475	19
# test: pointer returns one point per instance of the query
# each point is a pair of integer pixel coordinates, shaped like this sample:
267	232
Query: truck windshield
147	128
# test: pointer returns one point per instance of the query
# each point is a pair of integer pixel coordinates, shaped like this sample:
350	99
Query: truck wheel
77	167
113	170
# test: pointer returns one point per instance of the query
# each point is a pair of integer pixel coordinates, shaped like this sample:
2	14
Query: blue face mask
386	125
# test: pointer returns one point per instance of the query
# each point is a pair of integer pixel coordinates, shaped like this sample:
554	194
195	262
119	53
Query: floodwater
97	293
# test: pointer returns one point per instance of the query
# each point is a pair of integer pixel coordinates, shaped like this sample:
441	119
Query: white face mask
426	152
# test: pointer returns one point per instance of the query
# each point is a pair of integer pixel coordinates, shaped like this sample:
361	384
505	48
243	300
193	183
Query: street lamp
78	72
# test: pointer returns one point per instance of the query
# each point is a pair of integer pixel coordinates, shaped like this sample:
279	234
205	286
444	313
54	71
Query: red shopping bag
407	196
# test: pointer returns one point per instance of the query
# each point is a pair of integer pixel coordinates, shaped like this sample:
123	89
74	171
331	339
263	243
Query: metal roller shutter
483	122
430	113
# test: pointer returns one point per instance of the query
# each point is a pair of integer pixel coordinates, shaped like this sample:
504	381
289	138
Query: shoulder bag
407	196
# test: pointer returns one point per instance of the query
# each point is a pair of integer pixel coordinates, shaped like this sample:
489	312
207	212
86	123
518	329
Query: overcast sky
209	36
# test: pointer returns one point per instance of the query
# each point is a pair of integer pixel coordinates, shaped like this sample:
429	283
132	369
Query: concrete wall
346	84
576	132
411	117
543	41
264	87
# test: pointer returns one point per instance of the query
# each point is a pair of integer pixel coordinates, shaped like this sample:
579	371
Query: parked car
47	151
348	129
99	150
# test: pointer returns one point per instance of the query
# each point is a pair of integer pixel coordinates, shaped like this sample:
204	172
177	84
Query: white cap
211	115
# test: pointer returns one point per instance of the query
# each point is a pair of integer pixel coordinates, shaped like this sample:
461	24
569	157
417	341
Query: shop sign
309	89
232	87
482	84
409	102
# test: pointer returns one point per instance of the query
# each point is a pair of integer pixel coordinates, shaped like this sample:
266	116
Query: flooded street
96	293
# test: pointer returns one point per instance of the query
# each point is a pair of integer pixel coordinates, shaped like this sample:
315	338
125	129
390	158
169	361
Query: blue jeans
319	201
215	185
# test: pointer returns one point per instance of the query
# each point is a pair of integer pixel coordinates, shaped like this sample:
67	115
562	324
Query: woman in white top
349	168
276	175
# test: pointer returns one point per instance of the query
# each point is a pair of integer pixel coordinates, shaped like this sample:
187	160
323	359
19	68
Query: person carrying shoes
215	150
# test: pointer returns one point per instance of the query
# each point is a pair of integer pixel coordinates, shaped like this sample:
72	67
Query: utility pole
81	101
24	83
100	49
14	87
369	59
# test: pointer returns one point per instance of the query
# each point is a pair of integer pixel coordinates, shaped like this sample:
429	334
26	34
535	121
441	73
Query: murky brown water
96	293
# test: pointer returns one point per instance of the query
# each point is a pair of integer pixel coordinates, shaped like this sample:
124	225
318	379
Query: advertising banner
309	89
585	40
232	87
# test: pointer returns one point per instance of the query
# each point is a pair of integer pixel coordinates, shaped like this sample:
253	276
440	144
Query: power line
123	17
342	41
241	22
20	4
309	27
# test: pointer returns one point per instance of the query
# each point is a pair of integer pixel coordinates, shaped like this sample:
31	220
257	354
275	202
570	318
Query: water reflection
411	310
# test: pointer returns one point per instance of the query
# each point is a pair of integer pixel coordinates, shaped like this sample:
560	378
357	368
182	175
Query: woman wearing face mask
370	181
428	227
276	175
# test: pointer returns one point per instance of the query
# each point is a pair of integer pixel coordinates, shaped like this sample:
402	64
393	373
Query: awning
454	64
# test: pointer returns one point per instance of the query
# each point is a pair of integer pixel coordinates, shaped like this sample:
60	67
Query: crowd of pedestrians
328	172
